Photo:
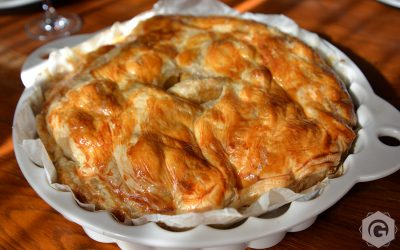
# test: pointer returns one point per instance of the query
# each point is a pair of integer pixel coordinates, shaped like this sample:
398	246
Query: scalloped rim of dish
370	160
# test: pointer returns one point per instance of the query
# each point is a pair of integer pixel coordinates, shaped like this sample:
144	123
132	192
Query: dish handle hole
389	140
389	136
45	55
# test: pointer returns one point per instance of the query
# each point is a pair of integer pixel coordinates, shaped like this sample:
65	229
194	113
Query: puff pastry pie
189	114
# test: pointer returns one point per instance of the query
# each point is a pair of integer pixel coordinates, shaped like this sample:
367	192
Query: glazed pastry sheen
189	114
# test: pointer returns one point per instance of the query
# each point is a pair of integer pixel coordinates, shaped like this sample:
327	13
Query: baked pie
190	114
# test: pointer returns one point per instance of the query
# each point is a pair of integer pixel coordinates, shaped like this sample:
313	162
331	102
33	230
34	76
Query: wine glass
52	25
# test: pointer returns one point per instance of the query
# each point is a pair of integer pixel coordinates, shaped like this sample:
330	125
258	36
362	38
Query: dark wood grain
366	30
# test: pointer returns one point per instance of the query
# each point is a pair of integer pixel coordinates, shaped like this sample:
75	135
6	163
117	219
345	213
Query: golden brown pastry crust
190	114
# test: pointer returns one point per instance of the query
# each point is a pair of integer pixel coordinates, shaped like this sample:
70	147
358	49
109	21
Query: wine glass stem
50	15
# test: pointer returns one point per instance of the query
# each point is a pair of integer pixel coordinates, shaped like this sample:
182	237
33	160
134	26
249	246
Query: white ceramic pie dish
370	160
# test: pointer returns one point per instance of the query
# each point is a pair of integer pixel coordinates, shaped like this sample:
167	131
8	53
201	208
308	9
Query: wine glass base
65	25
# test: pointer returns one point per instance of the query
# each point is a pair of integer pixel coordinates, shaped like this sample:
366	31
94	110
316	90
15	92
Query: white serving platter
370	160
6	4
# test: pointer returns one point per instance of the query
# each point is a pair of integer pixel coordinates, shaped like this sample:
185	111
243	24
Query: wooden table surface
367	31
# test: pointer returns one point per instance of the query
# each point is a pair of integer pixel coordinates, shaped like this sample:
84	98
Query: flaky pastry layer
189	114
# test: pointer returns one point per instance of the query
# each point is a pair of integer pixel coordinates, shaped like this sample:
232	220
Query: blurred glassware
53	25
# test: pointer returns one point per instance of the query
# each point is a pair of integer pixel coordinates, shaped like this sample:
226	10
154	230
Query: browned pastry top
189	114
